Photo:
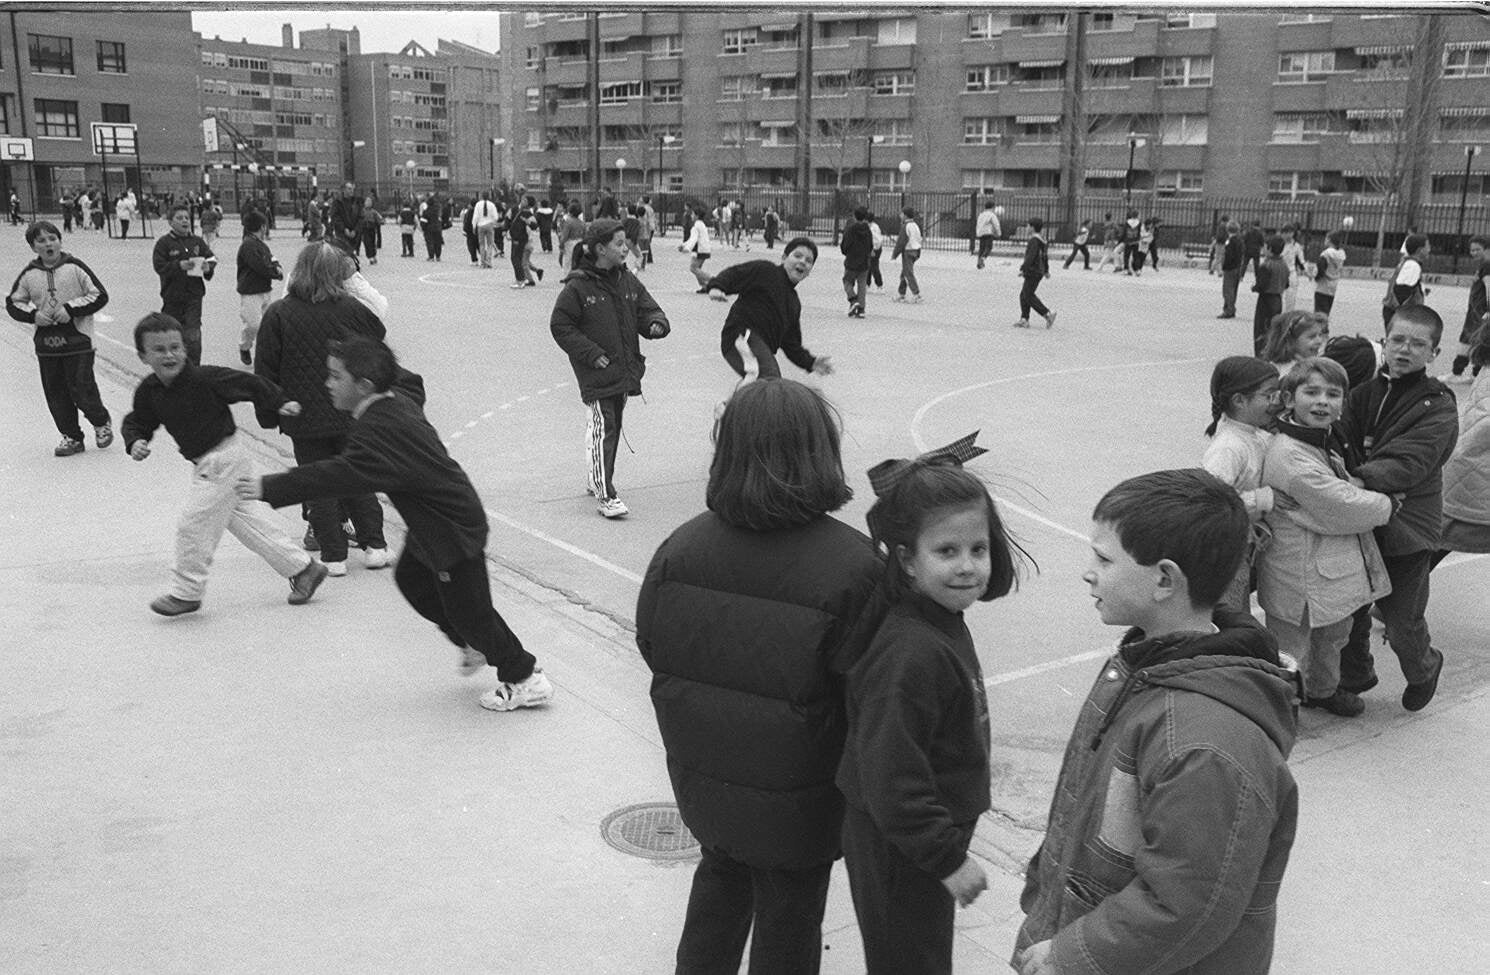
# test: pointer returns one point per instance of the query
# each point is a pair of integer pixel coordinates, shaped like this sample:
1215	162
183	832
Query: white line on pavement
575	550
1030	671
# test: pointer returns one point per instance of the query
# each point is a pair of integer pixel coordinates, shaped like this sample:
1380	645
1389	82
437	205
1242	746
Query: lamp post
905	180
352	169
1469	153
237	188
1133	143
620	175
491	158
869	145
409	171
662	140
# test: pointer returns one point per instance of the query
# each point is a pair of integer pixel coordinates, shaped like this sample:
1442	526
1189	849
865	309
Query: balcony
887	57
1314	36
1138	97
1193	99
564	30
662	22
1299	98
852	104
1017	100
983	103
887	106
773	109
565	71
1187	41
628	67
1356	89
1358	32
629	24
1025	45
1303	158
845	56
663	69
1034	156
761	60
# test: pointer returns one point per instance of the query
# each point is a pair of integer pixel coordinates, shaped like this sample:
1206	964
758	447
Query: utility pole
804	114
1073	121
1421	113
594	34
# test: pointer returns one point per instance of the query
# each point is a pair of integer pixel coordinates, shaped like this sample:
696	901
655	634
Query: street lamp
869	145
1469	153
905	180
491	157
1133	143
352	169
237	188
409	171
620	175
662	140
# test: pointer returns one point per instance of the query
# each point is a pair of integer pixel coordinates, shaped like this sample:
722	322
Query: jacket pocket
1339	565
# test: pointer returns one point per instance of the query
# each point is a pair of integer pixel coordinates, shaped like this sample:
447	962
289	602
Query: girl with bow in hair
915	773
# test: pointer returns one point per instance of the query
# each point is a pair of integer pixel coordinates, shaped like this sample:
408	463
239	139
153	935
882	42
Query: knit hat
1236	374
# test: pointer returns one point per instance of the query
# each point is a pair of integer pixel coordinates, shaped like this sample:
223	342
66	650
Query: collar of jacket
1324	438
917	604
1403	382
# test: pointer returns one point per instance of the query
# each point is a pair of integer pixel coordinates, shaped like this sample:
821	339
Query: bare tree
843	142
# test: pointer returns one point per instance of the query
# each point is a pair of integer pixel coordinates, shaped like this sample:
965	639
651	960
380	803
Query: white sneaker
613	508
335	569
471	661
525	694
377	558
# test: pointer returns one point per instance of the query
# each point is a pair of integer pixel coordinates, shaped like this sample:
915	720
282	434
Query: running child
768	313
915	773
698	245
192	402
1244	397
1322	563
185	264
257	271
59	294
392	448
1034	269
1294	336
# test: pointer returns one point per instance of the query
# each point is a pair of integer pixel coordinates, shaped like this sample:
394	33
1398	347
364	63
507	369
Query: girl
697	244
749	616
1293	257
1244	397
1327	271
1295	335
915	773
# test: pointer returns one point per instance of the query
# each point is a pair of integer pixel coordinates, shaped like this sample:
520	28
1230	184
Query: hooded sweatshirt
71	290
1175	810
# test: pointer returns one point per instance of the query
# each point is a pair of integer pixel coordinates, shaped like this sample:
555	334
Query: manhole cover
651	829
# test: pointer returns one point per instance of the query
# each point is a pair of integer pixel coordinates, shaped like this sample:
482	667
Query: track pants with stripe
602	435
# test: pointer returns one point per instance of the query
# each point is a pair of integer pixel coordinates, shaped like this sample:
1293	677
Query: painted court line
559	543
1013	675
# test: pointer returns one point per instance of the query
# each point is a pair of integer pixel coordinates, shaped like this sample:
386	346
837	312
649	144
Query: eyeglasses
1400	341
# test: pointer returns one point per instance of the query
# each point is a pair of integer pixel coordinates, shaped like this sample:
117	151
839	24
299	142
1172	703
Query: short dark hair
1275	245
1190	517
1414	243
156	321
366	358
41	227
1419	315
1331	371
1335	237
796	242
1036	224
253	222
776	457
1482	240
860	213
898	517
178	208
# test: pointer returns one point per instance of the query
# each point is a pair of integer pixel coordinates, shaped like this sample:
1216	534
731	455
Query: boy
257	272
1175	811
185	263
1233	265
987	228
1036	268
392	448
192	403
1406	287
856	244
1272	281
1474	315
1404	423
1322	562
59	294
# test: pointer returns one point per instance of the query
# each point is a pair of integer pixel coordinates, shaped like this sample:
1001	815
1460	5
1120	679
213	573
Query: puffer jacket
291	352
1174	813
1322	554
1466	477
1403	452
70	285
748	635
603	313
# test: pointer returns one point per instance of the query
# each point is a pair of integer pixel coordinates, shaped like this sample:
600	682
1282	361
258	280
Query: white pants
251	313
211	507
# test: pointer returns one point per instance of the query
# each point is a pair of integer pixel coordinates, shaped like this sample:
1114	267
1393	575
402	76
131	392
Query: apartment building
1246	104
61	74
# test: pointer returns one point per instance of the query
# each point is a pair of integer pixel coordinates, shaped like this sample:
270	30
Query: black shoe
245	357
309	542
304	583
1361	686
1224	315
1342	703
1415	697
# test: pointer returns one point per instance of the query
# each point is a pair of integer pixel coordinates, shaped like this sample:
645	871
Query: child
257	272
1272	281
406	222
192	403
1244	393
185	263
1078	246
915	774
1293	259
1474	315
370	227
1294	336
1327	271
1322	563
908	249
1406	285
211	219
442	570
768	312
1145	245
1175	810
698	244
1034	269
59	294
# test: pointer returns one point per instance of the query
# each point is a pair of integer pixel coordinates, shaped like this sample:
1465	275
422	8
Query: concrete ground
267	788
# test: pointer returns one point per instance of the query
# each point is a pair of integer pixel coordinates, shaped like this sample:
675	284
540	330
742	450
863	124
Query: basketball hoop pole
108	211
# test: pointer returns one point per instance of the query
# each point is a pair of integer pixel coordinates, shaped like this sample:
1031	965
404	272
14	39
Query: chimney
287	35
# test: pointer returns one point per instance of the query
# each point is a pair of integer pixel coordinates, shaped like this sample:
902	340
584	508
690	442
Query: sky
382	29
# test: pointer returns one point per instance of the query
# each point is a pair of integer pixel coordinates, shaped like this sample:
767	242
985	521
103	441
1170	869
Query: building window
740	41
779	87
736	89
982	180
831	84
1181	182
111	57
1296	18
51	55
533	99
1044	23
248	64
893	131
114	112
1037	129
1116	75
57	119
1302	127
893	82
1292	185
777	135
667	46
667	92
620	93
531	19
731	134
986	25
1104	20
986	77
897	30
1183	130
1305	66
531	60
1186	72
1189	20
982	131
1466	62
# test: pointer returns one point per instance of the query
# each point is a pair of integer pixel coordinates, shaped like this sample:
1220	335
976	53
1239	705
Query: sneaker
309	542
898	298
1341	703
245	357
524	694
174	605
377	558
915	299
1022	323
68	447
518	286
1050	320
103	435
1415	697
336	569
471	661
304	583
349	530
613	508
1457	377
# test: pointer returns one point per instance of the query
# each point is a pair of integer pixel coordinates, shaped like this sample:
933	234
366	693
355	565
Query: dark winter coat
603	313
768	306
346	217
856	245
1402	449
748	635
257	268
291	352
1036	258
176	286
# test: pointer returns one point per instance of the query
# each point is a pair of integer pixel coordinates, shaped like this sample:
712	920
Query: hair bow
886	474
